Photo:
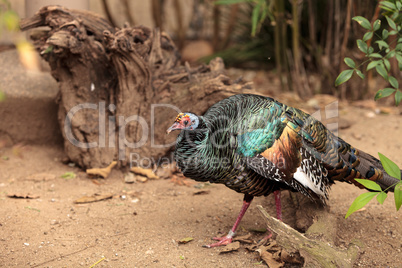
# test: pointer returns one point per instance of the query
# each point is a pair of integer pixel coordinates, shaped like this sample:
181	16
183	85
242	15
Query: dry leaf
24	196
41	177
144	172
103	172
185	240
94	198
270	260
140	178
244	239
231	247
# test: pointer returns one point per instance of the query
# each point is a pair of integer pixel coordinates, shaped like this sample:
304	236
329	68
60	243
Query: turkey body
255	145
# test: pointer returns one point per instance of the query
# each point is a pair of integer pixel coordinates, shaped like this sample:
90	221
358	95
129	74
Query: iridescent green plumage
256	146
241	141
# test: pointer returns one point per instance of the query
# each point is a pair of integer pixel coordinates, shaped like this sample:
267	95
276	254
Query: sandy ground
142	224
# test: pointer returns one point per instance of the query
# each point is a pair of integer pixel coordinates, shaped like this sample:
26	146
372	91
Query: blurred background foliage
301	42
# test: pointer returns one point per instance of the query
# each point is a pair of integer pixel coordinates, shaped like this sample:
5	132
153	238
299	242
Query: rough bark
121	88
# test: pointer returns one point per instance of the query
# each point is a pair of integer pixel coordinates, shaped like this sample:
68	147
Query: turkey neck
199	152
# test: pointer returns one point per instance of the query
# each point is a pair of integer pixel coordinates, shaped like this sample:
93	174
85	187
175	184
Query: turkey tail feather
369	167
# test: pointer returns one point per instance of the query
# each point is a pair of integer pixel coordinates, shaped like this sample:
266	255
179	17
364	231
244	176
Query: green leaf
398	98
390	167
376	25
391	23
363	22
367	36
375	55
359	73
343	77
68	175
254	18
385	34
387	64
398	195
392	80
381	197
399	58
369	184
48	50
382	44
393	32
360	202
399	5
381	70
362	46
391	54
387	5
349	62
373	64
382	93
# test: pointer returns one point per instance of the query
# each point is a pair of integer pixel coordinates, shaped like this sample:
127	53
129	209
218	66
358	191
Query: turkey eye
185	123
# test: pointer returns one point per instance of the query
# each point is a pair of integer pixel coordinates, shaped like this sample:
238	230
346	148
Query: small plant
393	170
378	57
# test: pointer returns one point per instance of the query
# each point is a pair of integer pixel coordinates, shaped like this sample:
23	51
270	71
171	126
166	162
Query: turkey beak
175	126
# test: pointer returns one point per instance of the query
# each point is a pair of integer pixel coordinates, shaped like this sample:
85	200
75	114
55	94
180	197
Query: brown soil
143	229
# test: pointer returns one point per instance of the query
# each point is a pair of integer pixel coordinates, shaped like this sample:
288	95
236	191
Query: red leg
278	205
225	240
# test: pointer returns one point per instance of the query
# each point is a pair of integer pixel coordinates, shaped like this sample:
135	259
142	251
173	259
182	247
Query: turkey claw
223	241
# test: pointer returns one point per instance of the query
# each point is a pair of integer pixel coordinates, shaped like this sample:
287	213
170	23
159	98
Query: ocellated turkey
256	146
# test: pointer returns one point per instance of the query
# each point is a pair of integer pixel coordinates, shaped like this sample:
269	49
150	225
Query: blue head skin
184	121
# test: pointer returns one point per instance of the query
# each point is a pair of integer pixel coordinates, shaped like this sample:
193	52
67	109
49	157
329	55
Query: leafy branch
393	170
379	59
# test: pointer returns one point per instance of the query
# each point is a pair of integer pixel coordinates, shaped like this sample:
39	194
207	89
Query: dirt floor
143	222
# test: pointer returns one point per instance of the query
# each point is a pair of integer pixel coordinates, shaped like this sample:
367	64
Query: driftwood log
317	245
120	88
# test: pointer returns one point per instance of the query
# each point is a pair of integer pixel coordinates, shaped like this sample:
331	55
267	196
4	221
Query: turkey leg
225	240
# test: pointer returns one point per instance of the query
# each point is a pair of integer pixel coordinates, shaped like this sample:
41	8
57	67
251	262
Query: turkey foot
223	241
